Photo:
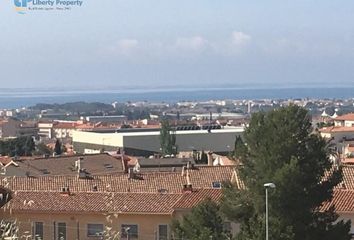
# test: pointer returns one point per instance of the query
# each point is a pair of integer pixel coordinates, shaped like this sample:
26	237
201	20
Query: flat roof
155	132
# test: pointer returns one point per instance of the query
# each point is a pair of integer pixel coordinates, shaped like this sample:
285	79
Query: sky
112	44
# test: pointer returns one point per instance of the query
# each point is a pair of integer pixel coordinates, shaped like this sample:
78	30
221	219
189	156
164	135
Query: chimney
78	164
210	158
183	171
125	164
188	165
131	173
187	188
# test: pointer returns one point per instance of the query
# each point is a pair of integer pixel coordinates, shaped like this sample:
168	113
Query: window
61	231
163	232
130	230
38	231
94	230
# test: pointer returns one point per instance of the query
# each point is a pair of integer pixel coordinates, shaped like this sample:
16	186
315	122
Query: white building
148	142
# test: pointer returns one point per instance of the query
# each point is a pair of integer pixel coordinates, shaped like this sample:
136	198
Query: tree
29	146
21	146
204	222
240	148
57	147
282	148
43	149
167	139
204	158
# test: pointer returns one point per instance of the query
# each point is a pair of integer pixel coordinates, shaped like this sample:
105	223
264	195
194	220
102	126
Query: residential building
12	128
107	119
63	165
141	205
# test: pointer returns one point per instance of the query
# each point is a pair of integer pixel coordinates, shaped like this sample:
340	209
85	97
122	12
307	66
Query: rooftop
345	117
149	182
336	129
65	165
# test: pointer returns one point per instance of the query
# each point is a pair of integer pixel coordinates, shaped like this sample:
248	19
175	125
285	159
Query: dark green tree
203	223
167	139
58	147
204	158
43	149
29	146
21	146
282	148
240	149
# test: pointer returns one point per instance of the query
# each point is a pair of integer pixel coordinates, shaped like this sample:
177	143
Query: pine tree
203	223
57	148
240	148
29	146
167	139
204	158
282	148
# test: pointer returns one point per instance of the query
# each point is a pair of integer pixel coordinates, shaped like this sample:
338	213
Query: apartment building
11	128
138	205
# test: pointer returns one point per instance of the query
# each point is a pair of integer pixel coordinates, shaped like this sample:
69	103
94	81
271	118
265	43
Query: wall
76	224
216	140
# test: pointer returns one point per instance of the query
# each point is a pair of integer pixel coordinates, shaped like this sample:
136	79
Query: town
131	170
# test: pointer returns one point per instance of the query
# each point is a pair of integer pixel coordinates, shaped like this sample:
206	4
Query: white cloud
194	43
125	47
240	38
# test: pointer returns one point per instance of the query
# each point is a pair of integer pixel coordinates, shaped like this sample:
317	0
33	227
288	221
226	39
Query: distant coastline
16	98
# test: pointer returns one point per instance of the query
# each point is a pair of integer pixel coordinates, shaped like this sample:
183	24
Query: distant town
66	167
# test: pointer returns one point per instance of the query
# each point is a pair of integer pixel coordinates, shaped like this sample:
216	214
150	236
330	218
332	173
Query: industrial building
145	142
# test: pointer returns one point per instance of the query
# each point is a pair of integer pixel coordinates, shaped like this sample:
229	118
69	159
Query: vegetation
58	149
282	148
203	158
75	107
21	146
239	149
323	124
42	149
167	139
204	222
96	109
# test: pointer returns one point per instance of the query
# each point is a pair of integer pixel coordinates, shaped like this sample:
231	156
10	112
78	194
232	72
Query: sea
18	98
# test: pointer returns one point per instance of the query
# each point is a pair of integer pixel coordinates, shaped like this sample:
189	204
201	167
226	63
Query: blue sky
119	43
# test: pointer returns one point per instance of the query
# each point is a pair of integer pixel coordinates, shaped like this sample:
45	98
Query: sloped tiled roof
94	202
348	177
65	165
188	201
151	182
336	129
345	117
343	201
153	193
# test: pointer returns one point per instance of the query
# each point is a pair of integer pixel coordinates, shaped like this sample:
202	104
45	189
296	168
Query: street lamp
267	185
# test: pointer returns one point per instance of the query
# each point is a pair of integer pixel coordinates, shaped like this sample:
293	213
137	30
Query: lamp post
267	185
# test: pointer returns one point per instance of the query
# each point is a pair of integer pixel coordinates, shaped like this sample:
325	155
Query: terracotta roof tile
336	129
154	193
345	117
190	200
65	165
149	182
94	202
343	201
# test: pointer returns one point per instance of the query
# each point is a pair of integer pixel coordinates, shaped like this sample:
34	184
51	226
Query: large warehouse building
147	141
